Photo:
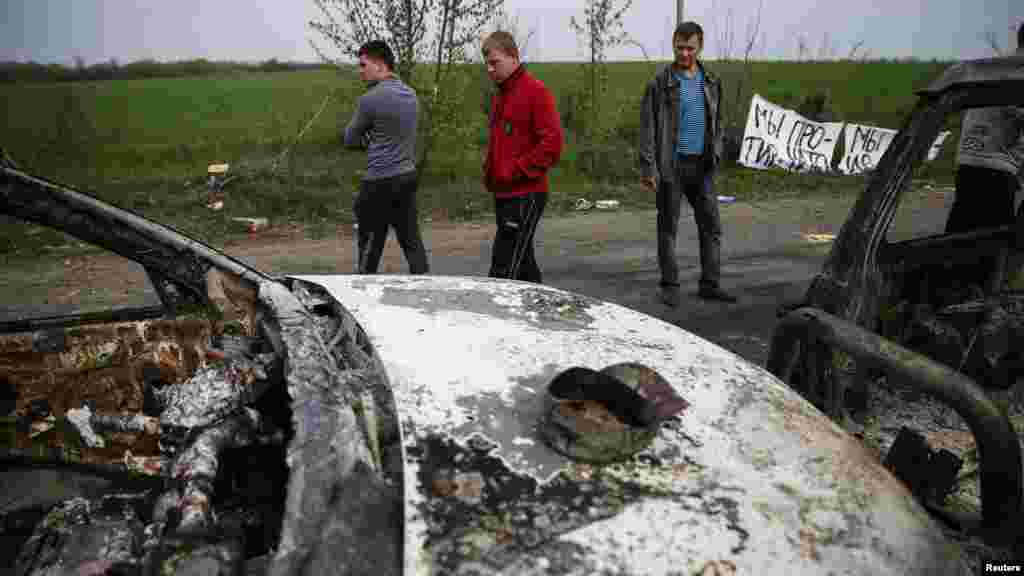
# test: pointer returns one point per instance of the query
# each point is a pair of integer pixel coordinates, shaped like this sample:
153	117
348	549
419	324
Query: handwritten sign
779	138
776	137
865	146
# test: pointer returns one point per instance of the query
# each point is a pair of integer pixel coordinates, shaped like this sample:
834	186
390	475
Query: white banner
776	137
864	147
866	144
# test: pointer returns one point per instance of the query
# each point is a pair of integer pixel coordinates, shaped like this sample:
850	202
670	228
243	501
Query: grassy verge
315	195
145	144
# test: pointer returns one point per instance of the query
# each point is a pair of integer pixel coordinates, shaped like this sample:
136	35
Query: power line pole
679	11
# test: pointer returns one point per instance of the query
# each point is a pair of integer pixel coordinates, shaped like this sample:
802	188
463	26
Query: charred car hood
750	477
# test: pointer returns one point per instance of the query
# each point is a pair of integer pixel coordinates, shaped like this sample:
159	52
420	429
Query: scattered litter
819	238
726	199
583	204
607	204
216	178
253	224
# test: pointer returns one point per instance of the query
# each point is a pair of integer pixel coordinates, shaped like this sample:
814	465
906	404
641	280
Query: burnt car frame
871	291
391	424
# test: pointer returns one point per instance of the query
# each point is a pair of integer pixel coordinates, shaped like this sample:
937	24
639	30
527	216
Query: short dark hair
1020	36
687	30
501	40
378	50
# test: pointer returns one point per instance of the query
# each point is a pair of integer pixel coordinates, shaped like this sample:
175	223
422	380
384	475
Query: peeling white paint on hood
472	356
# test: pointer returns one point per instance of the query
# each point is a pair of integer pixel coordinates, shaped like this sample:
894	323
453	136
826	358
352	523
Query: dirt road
767	259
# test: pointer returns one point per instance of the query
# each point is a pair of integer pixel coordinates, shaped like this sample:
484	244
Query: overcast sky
253	30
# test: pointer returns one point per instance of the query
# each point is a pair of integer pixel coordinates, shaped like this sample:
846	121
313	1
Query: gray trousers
693	181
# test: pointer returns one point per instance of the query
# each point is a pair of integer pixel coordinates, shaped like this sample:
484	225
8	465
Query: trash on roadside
583	204
726	199
253	225
216	178
819	238
607	204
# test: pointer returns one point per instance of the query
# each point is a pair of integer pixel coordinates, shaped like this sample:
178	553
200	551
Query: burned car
893	315
346	424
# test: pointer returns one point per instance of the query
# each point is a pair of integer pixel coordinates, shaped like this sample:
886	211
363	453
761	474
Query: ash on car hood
750	476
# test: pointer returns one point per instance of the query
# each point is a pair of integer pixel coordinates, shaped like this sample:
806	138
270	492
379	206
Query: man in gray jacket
385	123
680	149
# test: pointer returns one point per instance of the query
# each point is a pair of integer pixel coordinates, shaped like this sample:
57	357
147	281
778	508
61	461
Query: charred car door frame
841	309
176	265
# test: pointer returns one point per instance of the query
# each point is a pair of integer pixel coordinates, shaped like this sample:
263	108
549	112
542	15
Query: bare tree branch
632	42
753	29
827	50
852	55
802	47
418	31
600	29
992	40
502	21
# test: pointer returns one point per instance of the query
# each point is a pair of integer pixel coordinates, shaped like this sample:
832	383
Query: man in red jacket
525	140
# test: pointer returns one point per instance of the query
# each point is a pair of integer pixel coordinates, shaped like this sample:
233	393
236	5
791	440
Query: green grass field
159	127
145	144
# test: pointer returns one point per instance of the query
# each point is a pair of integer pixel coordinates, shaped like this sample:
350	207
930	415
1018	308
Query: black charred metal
851	284
908	459
8	397
930	474
6	160
101	317
39	408
15	457
174	261
944	467
912	293
999	452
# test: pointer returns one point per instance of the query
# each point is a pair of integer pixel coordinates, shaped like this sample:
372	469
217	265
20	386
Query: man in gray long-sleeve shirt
385	123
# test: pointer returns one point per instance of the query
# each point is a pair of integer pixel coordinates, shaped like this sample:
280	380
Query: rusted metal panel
104	365
998	447
750	475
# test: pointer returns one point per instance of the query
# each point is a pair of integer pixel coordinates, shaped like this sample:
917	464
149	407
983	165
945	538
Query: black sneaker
715	293
669	296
